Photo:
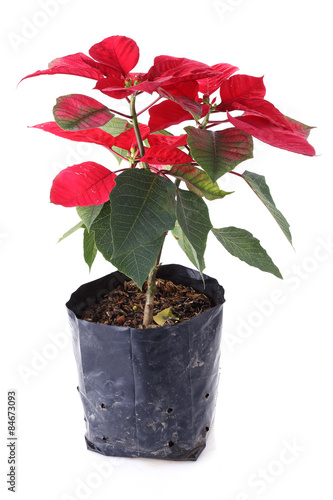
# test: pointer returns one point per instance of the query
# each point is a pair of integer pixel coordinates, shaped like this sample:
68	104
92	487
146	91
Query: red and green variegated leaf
240	88
165	155
119	52
88	183
299	128
75	64
210	85
218	152
93	135
80	112
266	131
167	140
198	181
126	139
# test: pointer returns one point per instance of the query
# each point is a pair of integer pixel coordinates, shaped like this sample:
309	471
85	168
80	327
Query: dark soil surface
124	306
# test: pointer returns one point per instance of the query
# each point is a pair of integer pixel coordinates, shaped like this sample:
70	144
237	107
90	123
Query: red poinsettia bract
185	90
86	184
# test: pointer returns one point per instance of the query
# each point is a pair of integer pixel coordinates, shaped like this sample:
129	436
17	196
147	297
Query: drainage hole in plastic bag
90	444
103	406
106	438
207	395
171	443
207	429
169	410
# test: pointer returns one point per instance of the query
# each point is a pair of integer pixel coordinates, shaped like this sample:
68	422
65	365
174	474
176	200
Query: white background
276	384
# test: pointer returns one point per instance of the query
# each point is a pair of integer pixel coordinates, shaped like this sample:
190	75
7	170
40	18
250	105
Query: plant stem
118	113
117	154
151	283
151	280
213	124
205	121
136	125
150	105
151	289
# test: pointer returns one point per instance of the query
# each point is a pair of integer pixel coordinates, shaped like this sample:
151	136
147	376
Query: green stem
205	121
151	283
151	290
136	125
118	113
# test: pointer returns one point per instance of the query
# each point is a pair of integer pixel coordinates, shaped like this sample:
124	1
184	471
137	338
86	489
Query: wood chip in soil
124	305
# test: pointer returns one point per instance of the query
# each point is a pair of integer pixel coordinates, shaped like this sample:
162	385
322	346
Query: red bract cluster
185	91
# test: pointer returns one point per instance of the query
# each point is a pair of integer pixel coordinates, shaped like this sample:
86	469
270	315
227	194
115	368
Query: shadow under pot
148	392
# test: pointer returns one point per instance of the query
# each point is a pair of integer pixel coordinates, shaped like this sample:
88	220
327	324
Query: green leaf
115	127
163	316
242	244
89	247
103	234
120	151
219	152
163	132
79	112
193	218
138	261
186	246
88	214
198	181
71	231
259	186
142	209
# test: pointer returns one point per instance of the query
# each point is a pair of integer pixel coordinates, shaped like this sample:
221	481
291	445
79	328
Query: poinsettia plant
164	178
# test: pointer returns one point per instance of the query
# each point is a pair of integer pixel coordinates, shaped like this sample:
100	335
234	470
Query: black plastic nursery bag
148	392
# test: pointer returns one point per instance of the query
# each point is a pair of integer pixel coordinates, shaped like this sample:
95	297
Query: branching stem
148	107
118	113
214	123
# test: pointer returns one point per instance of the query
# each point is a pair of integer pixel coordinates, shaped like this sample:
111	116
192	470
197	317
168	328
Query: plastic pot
148	392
